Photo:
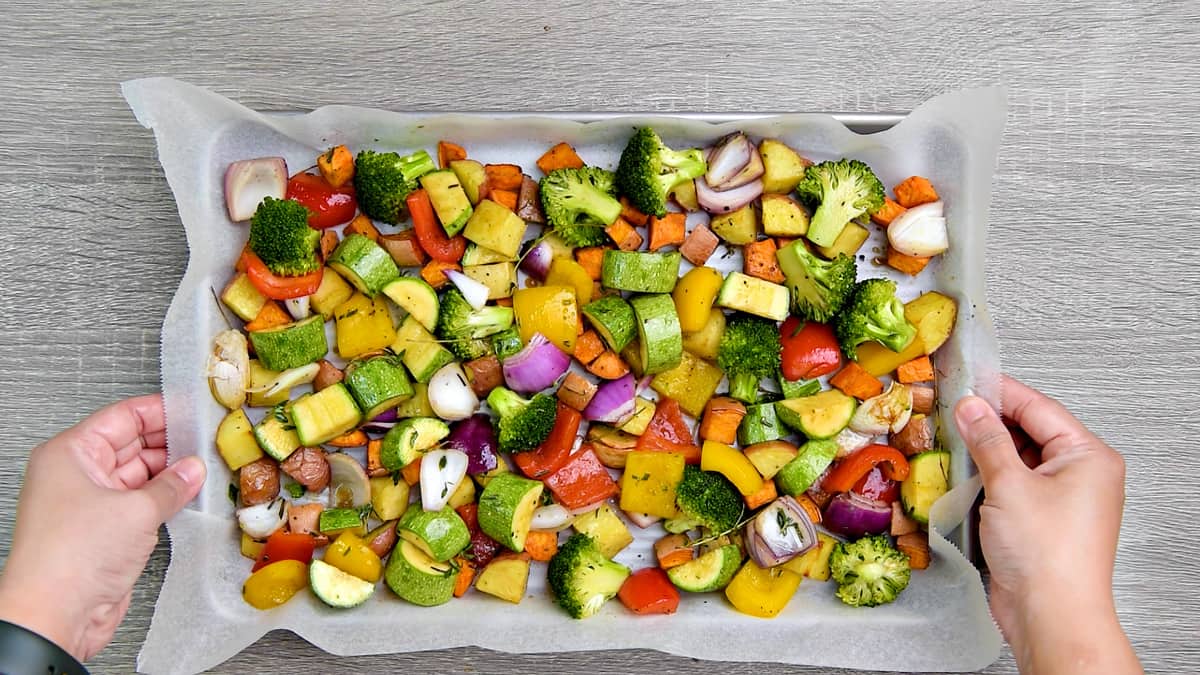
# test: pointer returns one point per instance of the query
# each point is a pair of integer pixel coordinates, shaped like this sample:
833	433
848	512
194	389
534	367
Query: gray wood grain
1092	271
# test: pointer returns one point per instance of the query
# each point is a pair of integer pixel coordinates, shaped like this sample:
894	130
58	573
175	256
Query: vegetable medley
763	425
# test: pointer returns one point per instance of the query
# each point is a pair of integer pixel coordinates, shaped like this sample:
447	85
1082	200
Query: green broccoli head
819	288
579	204
523	423
281	238
383	180
748	352
873	313
869	571
648	170
464	327
709	499
843	190
581	578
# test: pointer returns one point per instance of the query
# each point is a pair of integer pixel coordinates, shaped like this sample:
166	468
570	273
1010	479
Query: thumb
175	486
987	438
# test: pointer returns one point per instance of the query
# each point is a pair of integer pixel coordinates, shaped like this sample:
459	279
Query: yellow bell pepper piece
732	464
567	272
879	360
762	592
351	555
694	296
363	325
275	584
649	482
691	383
549	310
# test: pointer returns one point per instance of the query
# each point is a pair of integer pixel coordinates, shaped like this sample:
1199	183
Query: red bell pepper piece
582	481
327	206
808	349
851	469
556	449
668	432
286	546
649	591
483	547
430	234
274	286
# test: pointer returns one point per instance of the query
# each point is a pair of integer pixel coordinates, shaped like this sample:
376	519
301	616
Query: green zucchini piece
506	509
799	474
409	439
710	572
507	342
364	264
417	297
291	345
640	272
613	319
420	351
337	588
660	341
377	383
798	388
441	535
325	414
450	201
755	296
760	425
928	479
821	415
276	435
336	521
419	579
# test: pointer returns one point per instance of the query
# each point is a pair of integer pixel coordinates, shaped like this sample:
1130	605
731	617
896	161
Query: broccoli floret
524	423
464	327
383	180
281	238
648	170
748	352
709	499
869	571
818	288
873	313
579	204
581	578
844	190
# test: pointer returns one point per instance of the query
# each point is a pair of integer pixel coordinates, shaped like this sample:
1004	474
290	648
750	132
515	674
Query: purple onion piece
536	261
716	202
614	401
537	366
779	533
475	437
852	515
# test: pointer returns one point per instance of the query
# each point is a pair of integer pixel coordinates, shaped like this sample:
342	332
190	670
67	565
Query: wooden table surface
1092	260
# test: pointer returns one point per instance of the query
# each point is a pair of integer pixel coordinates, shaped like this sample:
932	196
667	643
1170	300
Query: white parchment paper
940	623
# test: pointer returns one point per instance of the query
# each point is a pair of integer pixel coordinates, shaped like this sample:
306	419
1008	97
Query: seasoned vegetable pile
450	376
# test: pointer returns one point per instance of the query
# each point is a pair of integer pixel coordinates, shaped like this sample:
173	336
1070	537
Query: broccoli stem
744	387
505	402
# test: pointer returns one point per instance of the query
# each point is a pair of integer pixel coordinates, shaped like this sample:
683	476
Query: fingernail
191	469
972	409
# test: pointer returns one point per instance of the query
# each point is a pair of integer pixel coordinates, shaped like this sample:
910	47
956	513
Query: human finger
1046	421
174	487
125	422
987	439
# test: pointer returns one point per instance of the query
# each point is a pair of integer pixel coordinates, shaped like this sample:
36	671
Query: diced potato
251	548
705	342
493	226
691	383
243	297
333	291
505	577
783	166
389	497
235	440
643	413
815	563
471	174
463	494
783	216
738	227
770	457
851	239
261	376
500	278
607	528
934	315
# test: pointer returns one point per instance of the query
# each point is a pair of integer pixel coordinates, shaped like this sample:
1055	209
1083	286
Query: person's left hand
87	521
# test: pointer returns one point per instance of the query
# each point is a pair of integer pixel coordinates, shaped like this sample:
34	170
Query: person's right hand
1048	527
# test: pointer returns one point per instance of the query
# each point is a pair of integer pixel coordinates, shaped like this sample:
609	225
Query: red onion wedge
734	161
537	366
853	515
779	533
536	261
729	200
614	402
250	181
475	437
474	292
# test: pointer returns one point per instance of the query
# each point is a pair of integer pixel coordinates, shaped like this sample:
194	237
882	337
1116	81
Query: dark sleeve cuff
24	652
